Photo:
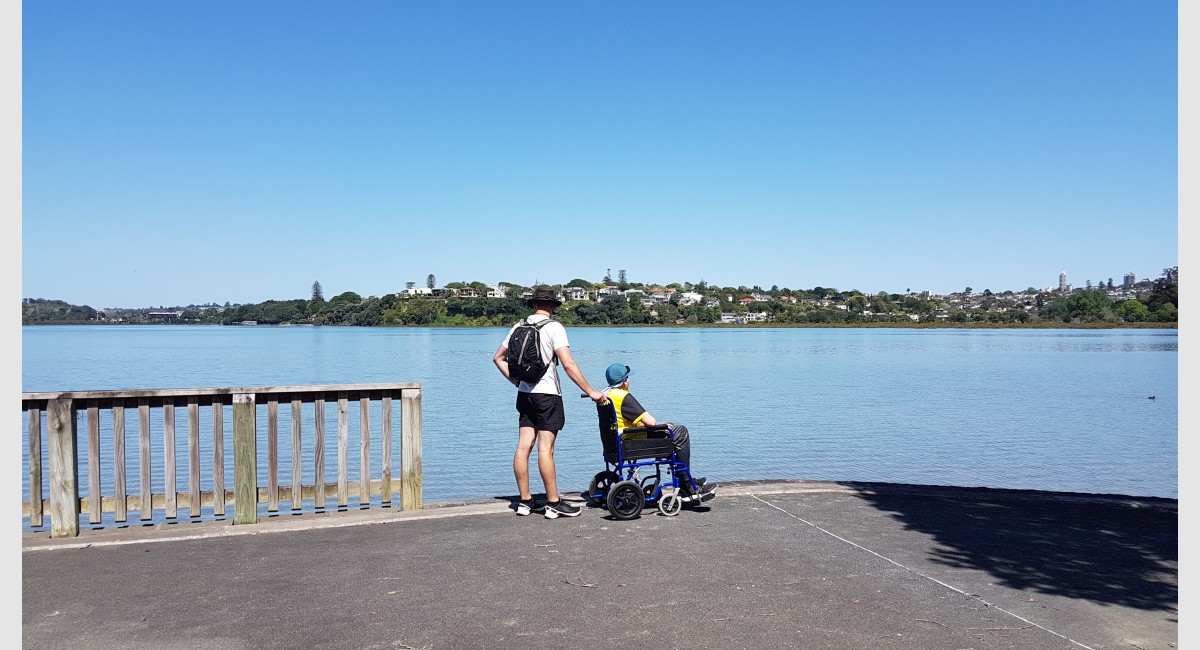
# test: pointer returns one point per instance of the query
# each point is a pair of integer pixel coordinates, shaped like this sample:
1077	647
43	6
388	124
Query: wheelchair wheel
670	504
601	483
625	500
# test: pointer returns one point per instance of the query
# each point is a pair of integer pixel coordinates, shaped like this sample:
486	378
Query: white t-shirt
552	337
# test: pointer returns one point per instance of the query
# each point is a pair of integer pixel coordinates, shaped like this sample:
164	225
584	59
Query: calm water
1062	410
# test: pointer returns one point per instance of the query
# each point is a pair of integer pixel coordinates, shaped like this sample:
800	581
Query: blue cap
616	374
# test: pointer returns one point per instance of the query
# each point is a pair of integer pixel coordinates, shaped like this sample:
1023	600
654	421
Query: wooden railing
108	492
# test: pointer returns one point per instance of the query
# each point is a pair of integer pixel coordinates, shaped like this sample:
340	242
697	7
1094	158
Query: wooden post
36	517
169	485
297	454
95	500
319	453
364	451
272	454
343	450
64	468
245	460
218	414
122	503
193	411
146	500
385	463
410	450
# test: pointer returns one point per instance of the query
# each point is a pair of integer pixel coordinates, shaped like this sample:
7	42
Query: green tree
1165	289
1166	313
1133	311
1085	306
617	310
346	298
430	281
318	294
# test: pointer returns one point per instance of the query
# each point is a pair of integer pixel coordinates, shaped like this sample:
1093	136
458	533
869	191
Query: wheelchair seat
655	444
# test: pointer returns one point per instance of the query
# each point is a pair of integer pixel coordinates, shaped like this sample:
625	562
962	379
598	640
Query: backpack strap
539	325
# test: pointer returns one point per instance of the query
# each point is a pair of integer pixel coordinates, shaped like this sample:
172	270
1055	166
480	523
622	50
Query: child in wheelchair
635	444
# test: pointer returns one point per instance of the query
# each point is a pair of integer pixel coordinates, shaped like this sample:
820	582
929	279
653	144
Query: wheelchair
623	487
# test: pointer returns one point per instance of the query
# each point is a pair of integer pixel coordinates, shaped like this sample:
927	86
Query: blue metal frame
629	470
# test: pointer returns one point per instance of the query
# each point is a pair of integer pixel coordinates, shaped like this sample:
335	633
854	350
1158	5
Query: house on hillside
741	318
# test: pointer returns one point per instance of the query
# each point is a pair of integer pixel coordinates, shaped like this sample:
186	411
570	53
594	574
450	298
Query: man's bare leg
545	443
526	437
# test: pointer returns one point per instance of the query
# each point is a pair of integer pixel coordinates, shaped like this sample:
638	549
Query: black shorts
541	411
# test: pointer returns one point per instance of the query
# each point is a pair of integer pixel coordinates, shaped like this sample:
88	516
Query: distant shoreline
969	325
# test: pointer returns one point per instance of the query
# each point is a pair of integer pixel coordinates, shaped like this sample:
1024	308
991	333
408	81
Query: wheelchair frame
621	487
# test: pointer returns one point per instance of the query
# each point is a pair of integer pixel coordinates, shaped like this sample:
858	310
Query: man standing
540	404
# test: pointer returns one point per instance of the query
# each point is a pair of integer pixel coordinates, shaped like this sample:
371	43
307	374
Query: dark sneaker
529	505
560	508
685	488
706	492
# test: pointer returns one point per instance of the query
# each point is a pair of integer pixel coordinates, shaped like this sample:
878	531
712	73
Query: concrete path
768	565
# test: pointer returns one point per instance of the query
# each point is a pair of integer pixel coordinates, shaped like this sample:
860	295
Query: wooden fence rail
68	501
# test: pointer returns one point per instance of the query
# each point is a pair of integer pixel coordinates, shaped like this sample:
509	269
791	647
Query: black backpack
525	352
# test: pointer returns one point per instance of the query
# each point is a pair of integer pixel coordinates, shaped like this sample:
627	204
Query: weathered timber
67	495
36	514
218	431
272	455
386	462
145	512
193	411
245	461
64	468
410	451
169	484
364	443
297	453
319	452
119	493
343	450
93	456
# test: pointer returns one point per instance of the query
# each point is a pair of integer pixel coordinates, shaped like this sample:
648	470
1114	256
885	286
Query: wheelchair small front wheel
670	504
626	500
601	483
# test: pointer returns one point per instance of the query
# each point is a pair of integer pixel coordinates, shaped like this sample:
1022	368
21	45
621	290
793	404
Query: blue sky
177	153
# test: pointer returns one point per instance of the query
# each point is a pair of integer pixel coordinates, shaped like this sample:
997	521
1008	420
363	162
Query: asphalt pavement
787	564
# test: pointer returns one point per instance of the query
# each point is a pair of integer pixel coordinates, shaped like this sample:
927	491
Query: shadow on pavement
1115	552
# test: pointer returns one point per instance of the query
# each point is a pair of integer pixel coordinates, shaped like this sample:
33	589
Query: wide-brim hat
543	294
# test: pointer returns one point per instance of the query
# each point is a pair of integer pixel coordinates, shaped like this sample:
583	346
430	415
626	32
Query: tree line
1156	301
